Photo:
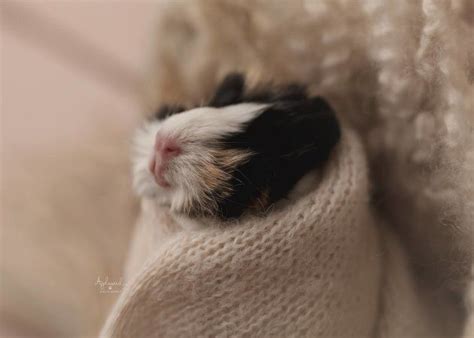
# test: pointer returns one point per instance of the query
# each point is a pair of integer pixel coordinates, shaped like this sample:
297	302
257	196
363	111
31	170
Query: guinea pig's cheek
172	175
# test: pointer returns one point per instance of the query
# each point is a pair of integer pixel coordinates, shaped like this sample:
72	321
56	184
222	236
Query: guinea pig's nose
166	147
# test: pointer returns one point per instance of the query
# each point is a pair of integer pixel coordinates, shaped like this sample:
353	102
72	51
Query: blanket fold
313	268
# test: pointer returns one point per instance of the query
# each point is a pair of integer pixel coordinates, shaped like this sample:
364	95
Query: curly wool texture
399	72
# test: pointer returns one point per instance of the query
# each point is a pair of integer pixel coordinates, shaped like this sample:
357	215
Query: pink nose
165	149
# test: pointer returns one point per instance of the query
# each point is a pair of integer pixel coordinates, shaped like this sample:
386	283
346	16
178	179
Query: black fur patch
294	135
229	91
232	90
166	111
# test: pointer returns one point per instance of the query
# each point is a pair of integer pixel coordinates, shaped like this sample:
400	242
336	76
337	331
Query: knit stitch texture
400	73
319	267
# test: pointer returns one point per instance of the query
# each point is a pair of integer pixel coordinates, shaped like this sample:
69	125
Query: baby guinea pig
241	153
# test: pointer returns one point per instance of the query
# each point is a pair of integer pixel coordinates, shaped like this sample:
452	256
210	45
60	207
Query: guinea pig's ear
168	110
229	91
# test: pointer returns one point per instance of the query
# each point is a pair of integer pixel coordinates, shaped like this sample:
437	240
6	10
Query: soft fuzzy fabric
320	267
399	72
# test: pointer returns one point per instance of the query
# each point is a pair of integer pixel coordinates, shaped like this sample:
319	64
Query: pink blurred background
71	77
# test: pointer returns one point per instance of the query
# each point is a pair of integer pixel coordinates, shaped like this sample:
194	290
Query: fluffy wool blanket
322	267
381	248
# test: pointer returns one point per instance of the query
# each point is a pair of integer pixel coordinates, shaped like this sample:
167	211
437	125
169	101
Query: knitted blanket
323	266
394	260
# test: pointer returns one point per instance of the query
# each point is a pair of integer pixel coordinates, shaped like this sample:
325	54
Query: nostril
167	147
171	149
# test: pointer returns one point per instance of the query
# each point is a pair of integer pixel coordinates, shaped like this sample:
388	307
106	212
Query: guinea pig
242	152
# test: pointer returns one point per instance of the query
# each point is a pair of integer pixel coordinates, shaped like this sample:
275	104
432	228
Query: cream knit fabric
401	74
321	267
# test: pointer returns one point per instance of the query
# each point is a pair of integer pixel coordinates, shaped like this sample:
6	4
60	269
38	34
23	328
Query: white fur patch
193	130
208	124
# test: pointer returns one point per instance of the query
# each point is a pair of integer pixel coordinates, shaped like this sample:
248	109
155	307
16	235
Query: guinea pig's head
241	152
